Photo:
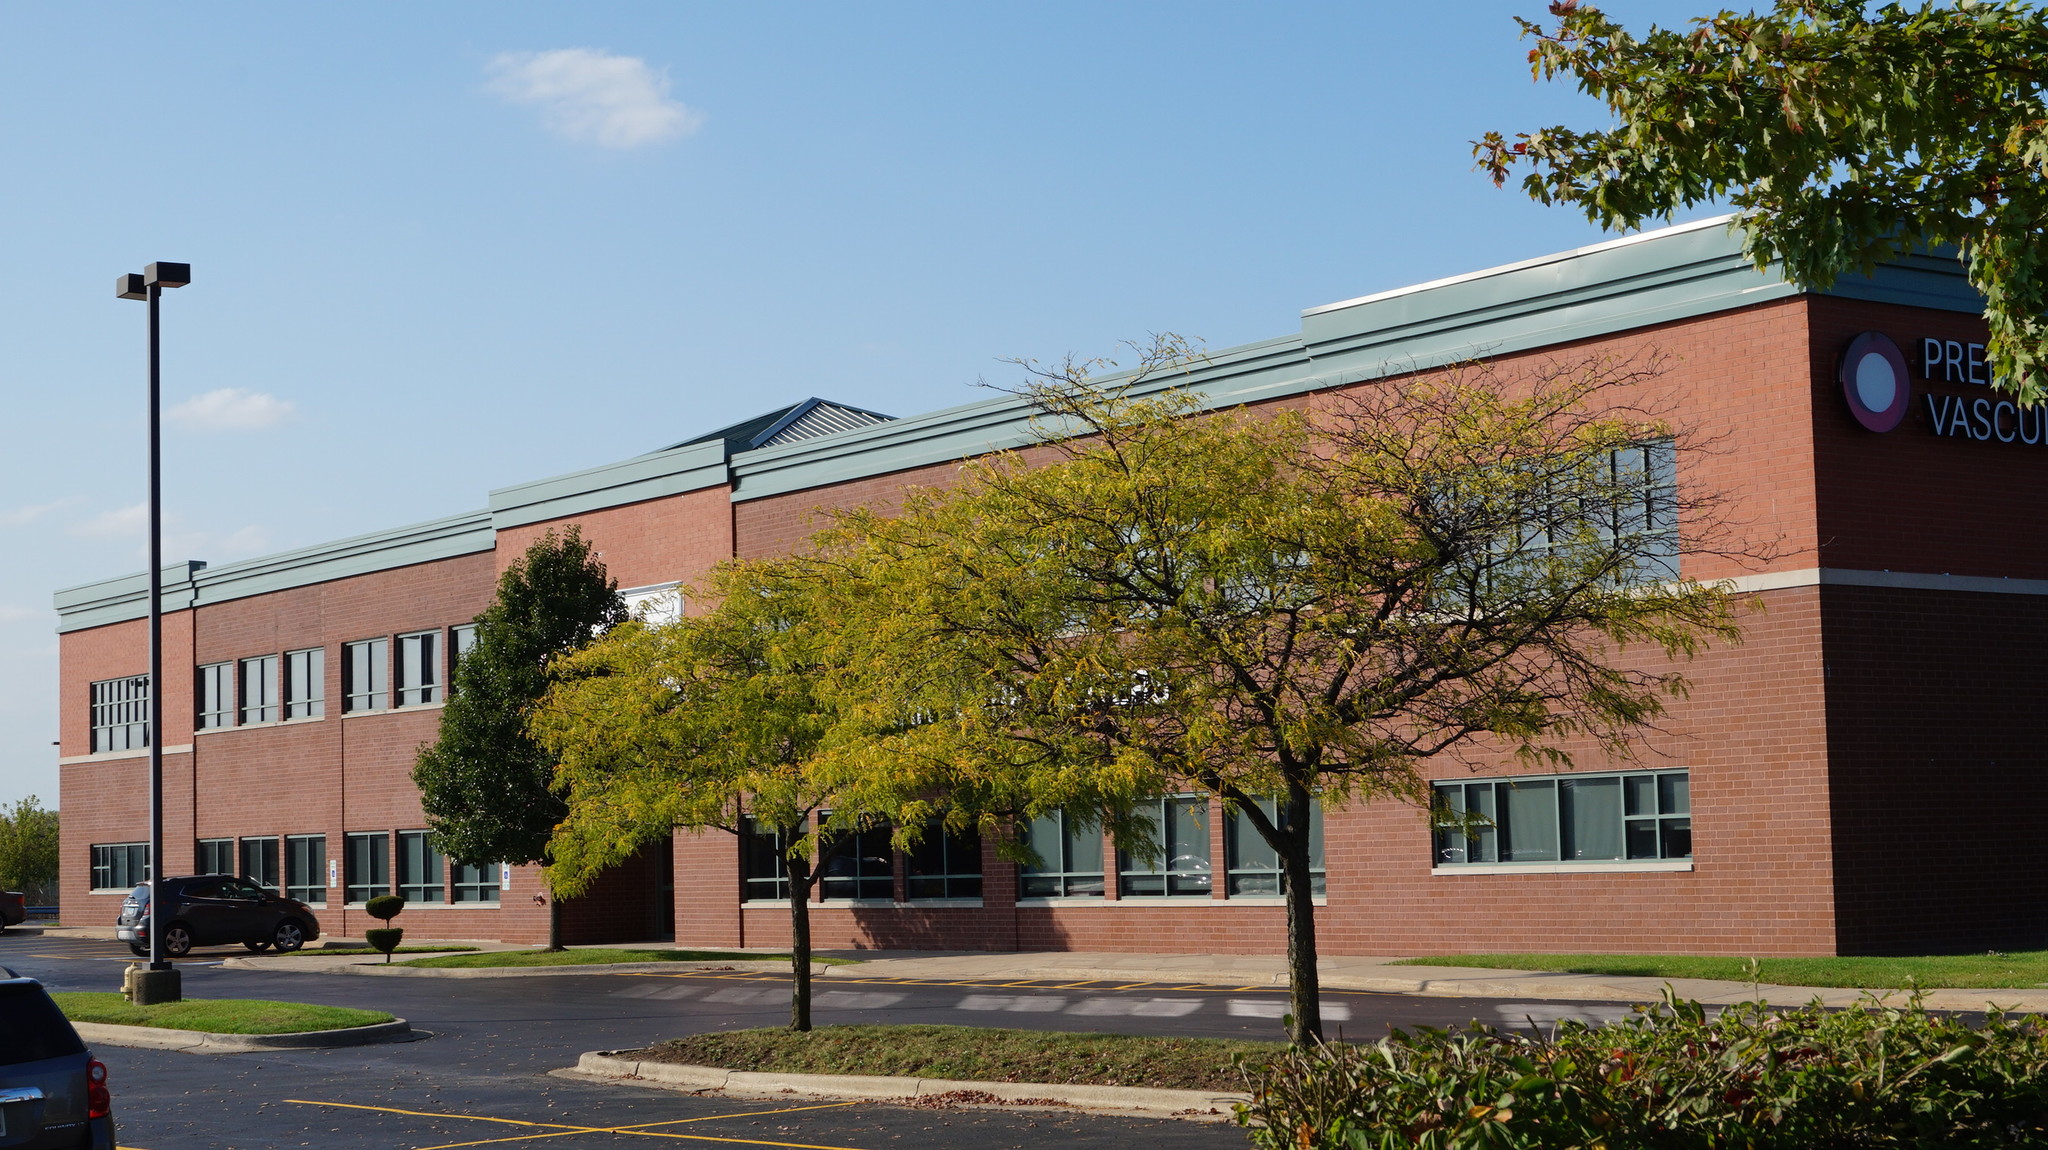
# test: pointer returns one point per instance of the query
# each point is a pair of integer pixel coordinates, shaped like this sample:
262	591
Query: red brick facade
1862	765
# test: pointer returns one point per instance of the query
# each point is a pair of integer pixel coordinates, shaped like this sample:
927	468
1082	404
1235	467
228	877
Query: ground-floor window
259	862
860	865
1179	863
764	873
1640	815
305	868
419	868
1069	858
216	856
367	861
1254	866
473	884
945	863
118	866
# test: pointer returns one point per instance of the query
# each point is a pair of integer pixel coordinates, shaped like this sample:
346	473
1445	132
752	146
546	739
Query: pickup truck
13	908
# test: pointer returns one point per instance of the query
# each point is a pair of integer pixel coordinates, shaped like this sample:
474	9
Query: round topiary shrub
384	907
385	939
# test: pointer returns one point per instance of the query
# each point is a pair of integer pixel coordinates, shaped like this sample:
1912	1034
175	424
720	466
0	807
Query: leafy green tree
1275	610
1843	133
486	785
28	850
728	721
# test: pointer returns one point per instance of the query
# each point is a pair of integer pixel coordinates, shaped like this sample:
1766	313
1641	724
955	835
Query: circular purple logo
1873	377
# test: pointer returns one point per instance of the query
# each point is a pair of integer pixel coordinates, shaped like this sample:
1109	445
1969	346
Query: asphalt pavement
479	1073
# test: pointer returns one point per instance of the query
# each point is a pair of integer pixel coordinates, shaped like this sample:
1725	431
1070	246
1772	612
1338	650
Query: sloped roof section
807	420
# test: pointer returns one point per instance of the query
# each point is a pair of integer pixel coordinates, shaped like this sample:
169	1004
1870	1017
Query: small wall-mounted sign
1874	381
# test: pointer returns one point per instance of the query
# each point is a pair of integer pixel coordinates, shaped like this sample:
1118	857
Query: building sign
1874	381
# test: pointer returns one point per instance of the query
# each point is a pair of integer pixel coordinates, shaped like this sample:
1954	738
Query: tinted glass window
34	1027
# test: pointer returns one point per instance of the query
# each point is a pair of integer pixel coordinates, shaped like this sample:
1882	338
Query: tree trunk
800	875
1303	980
554	922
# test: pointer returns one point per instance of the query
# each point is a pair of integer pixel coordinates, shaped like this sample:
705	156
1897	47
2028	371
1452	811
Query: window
1181	866
763	873
216	696
1567	818
305	868
216	856
859	865
419	668
419	868
120	714
1254	866
367	862
305	683
461	639
259	862
259	689
476	884
945	863
118	866
365	671
1069	850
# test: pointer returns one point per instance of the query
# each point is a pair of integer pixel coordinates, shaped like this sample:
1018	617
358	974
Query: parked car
13	908
53	1092
211	909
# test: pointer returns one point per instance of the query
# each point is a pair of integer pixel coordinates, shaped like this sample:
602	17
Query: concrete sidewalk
1377	974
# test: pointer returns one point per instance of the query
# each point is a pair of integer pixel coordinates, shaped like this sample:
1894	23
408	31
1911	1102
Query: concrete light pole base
145	987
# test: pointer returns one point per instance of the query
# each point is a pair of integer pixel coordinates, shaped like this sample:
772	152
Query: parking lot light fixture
161	985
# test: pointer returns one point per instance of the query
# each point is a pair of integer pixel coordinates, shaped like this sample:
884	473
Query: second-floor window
216	697
259	689
419	668
120	714
366	675
305	683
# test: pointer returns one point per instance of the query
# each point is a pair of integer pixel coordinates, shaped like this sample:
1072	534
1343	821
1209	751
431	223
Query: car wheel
140	950
290	936
256	945
177	940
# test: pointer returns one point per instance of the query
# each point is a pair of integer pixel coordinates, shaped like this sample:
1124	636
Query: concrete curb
373	967
1195	1105
200	1042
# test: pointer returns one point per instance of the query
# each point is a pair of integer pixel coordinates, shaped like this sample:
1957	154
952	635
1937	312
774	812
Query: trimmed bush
384	939
1669	1079
384	907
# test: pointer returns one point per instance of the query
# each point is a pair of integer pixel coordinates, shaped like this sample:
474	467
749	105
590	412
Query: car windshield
34	1027
140	893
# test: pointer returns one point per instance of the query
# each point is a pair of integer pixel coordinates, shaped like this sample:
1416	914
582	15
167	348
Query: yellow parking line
559	1129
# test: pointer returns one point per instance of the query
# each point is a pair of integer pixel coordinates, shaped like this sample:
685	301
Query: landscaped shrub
1670	1078
384	939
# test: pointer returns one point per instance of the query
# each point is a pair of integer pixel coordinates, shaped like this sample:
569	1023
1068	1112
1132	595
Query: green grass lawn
972	1053
2021	970
585	956
214	1015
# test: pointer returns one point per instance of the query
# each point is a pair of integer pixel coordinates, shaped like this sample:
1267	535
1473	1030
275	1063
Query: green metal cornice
689	467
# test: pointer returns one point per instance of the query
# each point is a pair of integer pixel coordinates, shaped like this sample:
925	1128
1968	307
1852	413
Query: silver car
53	1092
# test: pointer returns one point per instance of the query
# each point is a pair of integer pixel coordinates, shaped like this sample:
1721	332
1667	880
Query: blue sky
442	248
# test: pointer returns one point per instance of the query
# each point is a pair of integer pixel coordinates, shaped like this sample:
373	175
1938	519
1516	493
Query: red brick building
1853	777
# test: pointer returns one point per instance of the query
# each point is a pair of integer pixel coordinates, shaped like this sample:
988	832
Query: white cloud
594	97
179	543
118	523
23	516
230	409
9	613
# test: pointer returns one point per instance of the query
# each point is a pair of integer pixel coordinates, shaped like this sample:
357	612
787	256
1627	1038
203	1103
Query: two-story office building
1857	775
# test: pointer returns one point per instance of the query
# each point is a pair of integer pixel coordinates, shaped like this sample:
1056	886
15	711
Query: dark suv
210	909
53	1092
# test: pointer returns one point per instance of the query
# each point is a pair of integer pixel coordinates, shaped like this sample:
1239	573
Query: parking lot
478	1075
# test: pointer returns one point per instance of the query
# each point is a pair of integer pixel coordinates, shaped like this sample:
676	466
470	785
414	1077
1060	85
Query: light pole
160	983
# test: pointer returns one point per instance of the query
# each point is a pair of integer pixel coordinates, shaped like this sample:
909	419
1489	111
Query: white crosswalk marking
858	1000
747	997
1027	1004
1142	1007
655	990
1277	1008
1548	1012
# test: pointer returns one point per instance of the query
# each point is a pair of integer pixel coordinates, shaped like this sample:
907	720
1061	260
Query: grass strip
2021	970
973	1053
586	956
344	951
214	1015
